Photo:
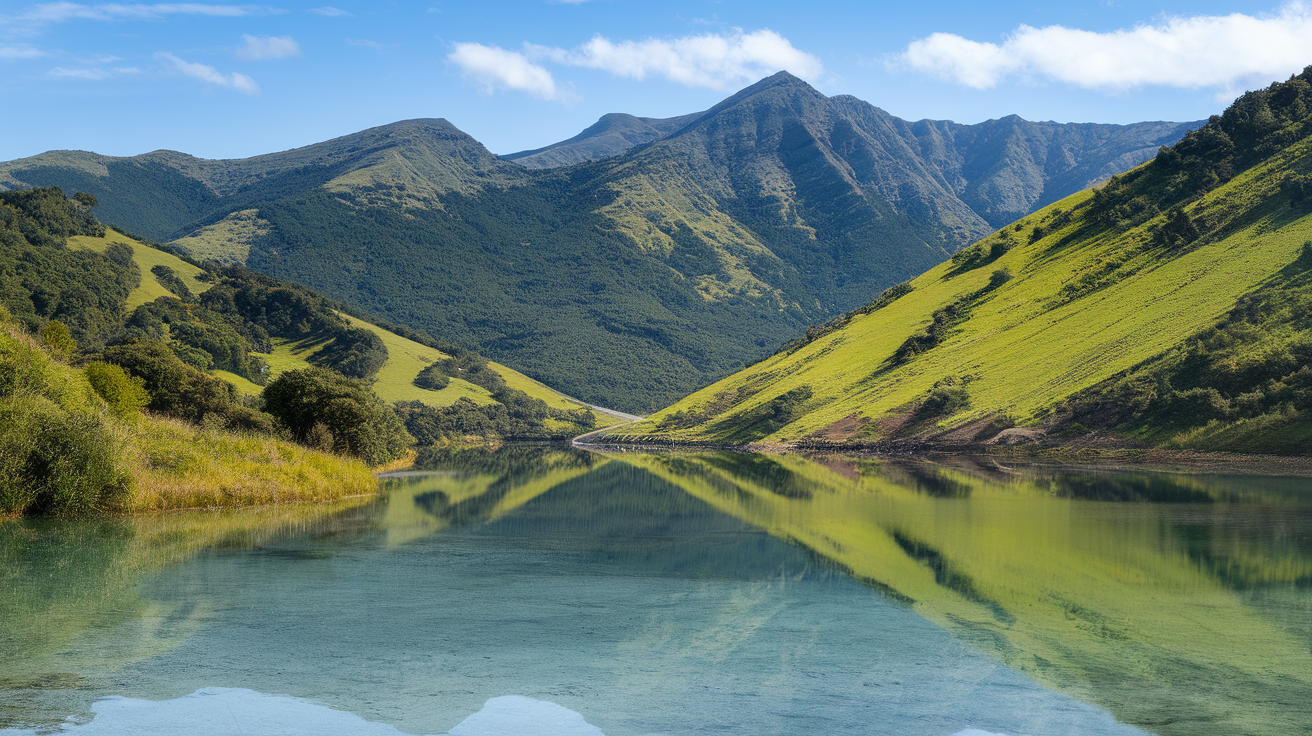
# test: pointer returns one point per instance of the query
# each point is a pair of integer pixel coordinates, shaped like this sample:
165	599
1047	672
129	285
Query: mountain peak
783	77
777	83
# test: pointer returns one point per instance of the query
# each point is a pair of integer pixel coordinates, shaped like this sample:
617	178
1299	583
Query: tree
318	405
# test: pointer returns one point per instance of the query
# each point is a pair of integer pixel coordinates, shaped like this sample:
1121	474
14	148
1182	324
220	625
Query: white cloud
260	48
718	61
64	11
209	74
494	68
365	43
329	11
20	52
94	74
1225	52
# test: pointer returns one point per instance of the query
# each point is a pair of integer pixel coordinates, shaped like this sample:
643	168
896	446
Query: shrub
125	394
432	378
944	401
57	337
171	281
55	462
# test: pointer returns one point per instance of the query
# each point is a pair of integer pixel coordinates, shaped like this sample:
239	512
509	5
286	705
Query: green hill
676	249
226	348
392	373
1168	307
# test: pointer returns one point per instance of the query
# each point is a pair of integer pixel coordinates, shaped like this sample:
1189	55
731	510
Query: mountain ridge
612	134
678	259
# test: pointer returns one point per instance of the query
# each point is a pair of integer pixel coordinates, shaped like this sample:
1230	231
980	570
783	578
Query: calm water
538	590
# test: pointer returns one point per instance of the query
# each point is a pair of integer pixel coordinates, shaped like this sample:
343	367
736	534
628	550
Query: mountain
612	135
1168	307
630	280
165	194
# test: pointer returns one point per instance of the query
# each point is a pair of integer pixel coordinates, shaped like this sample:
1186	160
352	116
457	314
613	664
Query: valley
1158	309
788	411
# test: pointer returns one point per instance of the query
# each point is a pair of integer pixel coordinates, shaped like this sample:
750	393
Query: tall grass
65	452
178	465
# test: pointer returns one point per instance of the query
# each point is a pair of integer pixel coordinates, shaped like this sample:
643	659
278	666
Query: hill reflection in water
693	592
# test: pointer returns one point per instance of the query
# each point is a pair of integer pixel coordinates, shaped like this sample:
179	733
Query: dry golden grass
176	465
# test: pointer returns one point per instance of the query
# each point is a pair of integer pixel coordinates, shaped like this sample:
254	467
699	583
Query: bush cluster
325	409
56	454
180	390
516	416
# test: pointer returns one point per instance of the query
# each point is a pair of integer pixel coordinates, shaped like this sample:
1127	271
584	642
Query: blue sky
222	80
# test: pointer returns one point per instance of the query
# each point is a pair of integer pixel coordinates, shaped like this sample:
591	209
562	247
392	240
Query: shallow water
546	590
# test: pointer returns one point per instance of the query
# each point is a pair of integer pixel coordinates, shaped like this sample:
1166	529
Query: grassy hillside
1017	328
146	258
228	240
67	451
405	359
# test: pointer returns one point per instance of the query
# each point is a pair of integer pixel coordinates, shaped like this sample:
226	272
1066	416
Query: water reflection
1180	602
73	608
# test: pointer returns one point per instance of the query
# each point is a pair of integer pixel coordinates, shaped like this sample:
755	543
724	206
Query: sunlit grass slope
1084	303
178	465
145	258
1146	609
149	462
226	241
405	359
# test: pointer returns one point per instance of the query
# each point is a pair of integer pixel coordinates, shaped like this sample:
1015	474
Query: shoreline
1103	455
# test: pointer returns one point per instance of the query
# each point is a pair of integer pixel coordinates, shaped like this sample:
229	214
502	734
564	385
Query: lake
551	590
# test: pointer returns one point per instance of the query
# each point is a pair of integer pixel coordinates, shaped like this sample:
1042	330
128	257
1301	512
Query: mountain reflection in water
708	589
